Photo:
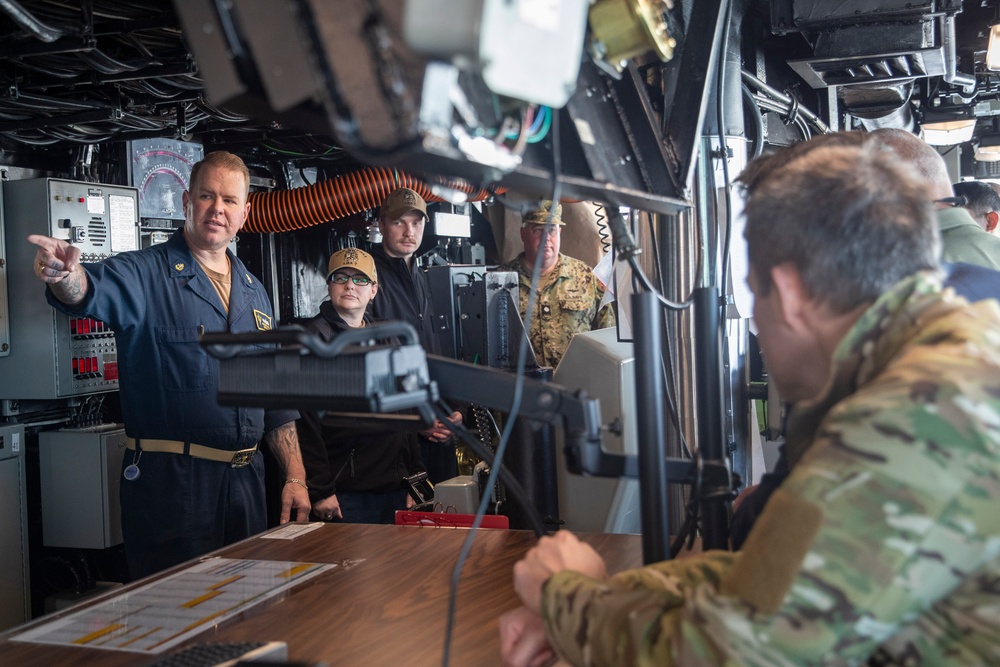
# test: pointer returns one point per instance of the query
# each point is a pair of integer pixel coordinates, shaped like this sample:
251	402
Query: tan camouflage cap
355	259
540	215
400	202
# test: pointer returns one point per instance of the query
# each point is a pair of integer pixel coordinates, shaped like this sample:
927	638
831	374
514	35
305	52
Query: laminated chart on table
161	615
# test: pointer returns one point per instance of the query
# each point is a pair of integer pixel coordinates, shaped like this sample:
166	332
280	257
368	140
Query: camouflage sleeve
605	317
877	522
873	526
611	622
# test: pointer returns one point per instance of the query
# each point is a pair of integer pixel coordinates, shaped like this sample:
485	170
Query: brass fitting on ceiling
623	29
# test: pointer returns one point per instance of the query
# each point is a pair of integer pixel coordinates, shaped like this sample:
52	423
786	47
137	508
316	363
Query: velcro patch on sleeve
773	552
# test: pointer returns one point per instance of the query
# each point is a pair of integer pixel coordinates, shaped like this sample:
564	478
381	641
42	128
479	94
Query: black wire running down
750	106
513	486
522	358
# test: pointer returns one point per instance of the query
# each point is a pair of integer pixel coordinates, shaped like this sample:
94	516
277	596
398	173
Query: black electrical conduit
26	20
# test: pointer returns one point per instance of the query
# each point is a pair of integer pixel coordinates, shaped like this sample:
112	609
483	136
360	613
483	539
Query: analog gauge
161	170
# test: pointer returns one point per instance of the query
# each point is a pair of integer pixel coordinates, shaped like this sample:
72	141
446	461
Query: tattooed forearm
73	288
284	443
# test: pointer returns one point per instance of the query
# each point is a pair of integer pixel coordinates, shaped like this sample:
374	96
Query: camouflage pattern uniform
882	545
568	303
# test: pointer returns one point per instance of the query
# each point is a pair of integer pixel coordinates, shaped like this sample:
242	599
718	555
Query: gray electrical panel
52	355
80	475
15	600
475	313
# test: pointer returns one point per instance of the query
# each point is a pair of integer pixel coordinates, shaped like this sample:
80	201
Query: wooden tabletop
386	604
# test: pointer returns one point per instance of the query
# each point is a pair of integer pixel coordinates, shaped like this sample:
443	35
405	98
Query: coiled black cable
602	229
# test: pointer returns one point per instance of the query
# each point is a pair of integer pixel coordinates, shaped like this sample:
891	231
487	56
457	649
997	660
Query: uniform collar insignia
249	279
179	266
264	322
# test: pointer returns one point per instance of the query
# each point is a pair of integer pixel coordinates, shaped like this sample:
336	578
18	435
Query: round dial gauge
161	170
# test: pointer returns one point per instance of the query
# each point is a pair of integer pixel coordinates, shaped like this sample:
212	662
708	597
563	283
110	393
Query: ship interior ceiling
332	105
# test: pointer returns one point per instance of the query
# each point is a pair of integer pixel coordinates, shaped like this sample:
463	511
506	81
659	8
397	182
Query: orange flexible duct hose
336	198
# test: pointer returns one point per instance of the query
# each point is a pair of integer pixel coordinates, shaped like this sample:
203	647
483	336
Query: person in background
982	202
193	481
996	188
880	546
962	238
569	295
355	473
971	281
402	219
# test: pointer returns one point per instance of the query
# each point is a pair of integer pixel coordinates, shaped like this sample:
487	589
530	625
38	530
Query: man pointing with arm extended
193	481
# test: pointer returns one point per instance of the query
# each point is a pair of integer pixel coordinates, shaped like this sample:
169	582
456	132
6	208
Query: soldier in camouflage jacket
569	295
882	545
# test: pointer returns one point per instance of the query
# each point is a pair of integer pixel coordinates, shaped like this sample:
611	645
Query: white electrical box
80	478
525	49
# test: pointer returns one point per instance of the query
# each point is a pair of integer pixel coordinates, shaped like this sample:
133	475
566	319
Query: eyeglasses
357	279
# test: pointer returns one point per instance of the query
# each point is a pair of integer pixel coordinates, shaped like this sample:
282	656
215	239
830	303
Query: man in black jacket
355	473
402	219
404	297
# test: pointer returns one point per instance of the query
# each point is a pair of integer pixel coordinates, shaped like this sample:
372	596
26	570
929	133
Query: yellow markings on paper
225	582
202	621
298	569
190	626
201	598
142	636
97	634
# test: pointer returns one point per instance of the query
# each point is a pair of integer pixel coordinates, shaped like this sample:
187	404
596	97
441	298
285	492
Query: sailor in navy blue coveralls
158	301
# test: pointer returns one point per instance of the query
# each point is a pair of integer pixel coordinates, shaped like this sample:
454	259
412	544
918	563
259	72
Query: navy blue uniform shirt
158	301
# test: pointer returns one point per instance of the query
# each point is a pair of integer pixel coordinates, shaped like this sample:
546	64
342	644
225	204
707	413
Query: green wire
544	129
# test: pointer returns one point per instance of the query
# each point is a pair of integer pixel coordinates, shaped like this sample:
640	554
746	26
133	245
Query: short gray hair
853	221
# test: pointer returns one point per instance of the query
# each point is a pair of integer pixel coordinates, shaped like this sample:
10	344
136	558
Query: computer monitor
602	366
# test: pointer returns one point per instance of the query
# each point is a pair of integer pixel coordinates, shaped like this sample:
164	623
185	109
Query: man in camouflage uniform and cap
882	544
569	295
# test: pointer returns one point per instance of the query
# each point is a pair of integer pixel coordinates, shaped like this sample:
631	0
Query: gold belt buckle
241	459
